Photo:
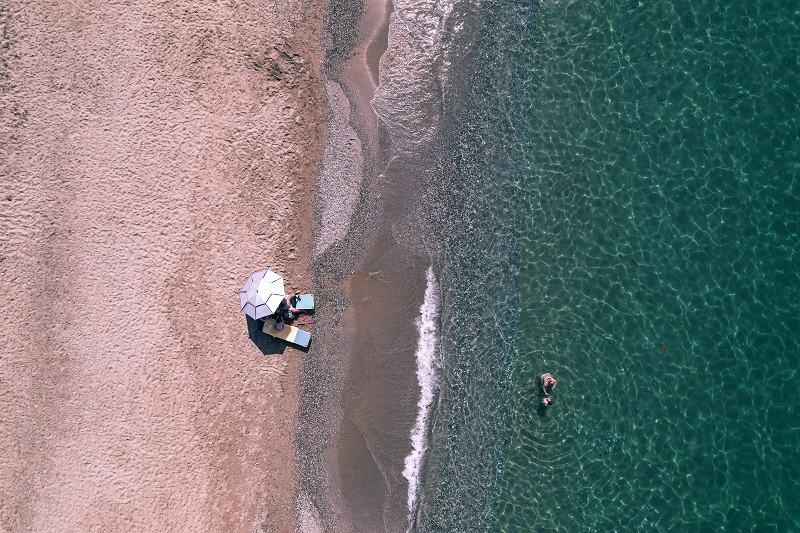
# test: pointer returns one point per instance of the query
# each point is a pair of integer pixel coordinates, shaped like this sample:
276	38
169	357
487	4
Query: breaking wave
428	378
424	38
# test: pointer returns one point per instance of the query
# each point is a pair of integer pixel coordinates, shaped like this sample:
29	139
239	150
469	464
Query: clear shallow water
458	213
612	195
659	272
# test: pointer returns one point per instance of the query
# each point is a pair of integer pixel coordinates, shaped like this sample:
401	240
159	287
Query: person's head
547	402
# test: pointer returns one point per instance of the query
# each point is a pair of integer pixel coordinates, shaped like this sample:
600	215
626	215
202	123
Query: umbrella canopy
262	294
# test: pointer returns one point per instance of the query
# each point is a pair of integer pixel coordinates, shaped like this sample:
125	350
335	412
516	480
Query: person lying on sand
548	381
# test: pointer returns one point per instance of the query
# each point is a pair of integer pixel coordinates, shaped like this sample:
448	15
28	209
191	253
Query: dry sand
152	155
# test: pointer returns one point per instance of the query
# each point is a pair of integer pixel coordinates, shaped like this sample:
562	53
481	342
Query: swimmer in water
546	402
548	381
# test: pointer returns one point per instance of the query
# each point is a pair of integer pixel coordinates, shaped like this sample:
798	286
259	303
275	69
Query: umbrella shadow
268	344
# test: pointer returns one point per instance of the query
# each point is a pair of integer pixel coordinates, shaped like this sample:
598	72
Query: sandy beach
152	156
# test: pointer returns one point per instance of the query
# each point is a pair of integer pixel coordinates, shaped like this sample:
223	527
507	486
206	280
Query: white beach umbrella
262	294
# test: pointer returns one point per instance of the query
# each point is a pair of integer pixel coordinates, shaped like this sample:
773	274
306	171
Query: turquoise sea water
659	272
617	203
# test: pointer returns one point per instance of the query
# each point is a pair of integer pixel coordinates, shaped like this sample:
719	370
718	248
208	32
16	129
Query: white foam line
428	378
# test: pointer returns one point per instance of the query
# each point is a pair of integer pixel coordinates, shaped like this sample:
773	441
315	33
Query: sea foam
428	377
424	37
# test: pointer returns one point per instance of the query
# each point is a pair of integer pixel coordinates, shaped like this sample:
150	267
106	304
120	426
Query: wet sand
380	286
151	157
380	394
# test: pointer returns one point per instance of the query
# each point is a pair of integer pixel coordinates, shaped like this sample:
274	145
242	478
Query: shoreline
346	210
154	160
358	438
